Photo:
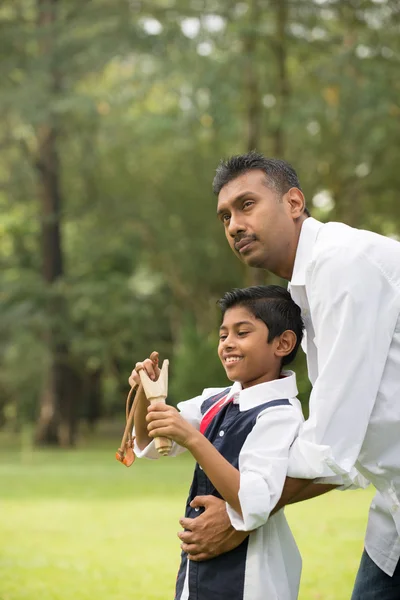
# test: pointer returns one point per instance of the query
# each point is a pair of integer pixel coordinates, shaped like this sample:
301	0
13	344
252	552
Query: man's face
259	224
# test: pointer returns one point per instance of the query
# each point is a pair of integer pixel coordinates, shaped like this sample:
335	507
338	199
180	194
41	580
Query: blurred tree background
114	117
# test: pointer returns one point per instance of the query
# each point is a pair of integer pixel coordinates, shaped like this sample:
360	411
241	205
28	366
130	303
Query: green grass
79	526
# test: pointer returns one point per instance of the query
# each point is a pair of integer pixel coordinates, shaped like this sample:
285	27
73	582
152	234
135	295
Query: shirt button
221	433
197	509
201	468
395	508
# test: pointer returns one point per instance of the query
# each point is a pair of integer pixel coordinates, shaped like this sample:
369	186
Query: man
347	283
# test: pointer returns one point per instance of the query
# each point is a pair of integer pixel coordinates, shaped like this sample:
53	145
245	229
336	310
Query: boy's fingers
134	378
159	407
153	423
148	366
154	358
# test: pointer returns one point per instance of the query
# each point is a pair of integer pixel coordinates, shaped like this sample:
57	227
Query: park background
114	116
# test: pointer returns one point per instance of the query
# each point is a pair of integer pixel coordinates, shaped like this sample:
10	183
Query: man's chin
252	260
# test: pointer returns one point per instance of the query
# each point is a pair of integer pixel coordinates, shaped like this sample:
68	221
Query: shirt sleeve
191	412
263	463
354	315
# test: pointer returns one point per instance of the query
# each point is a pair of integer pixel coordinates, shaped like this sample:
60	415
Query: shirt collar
308	235
285	387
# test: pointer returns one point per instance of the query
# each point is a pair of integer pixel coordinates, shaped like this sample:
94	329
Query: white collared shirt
273	563
272	437
347	283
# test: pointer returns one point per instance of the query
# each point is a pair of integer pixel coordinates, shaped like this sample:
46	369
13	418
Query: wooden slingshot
155	391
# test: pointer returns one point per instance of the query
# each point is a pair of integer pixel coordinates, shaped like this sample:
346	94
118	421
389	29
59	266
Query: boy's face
244	350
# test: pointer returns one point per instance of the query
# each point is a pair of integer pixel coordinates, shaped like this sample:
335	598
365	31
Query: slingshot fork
156	391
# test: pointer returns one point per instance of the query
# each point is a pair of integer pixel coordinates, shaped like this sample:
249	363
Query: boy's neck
263	379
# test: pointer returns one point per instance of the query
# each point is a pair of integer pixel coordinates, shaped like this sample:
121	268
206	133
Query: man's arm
354	311
297	490
212	534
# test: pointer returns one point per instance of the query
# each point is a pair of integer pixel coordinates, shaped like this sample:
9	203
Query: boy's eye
242	333
222	337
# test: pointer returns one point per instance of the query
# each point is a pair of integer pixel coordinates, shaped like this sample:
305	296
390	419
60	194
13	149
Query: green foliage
150	96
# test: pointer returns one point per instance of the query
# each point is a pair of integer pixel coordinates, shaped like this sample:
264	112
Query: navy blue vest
221	577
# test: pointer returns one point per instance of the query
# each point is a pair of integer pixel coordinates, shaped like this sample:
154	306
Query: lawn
79	526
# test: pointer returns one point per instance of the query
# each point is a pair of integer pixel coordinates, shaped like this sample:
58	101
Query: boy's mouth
231	360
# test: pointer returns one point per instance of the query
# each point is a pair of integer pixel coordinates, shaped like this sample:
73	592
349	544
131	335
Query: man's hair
273	305
280	175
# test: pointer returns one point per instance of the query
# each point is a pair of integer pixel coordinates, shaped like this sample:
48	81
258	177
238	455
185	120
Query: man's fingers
206	502
190	549
187	523
199	557
187	537
199	501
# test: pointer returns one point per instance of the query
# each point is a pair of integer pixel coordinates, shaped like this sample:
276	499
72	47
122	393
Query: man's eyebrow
236	200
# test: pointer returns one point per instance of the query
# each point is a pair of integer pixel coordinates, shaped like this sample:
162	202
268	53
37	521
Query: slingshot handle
162	444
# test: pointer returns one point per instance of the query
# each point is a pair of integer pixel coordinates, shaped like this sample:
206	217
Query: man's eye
248	203
225	218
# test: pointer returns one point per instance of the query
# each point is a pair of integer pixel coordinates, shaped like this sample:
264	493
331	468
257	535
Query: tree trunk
281	13
254	107
57	417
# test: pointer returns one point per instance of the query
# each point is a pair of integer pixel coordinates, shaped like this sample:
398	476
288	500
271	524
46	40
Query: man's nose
235	226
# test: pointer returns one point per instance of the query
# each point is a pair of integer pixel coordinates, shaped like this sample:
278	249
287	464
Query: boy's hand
165	421
150	365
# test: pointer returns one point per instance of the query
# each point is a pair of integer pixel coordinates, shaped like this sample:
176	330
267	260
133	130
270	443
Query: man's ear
286	343
296	202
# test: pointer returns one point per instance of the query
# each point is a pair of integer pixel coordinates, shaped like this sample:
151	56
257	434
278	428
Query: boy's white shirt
273	562
263	459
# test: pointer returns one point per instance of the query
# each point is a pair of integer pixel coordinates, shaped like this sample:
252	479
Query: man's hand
211	533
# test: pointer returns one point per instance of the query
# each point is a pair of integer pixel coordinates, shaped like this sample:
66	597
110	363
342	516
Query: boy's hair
280	175
273	305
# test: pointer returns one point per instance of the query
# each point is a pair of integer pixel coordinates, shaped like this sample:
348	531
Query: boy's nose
228	343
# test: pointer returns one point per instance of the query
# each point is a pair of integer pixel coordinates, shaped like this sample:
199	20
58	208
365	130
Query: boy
240	438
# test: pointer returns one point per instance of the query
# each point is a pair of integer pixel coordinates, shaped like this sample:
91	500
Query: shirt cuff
255	500
149	451
311	461
351	481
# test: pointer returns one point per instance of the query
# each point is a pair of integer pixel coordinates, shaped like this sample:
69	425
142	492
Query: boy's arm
224	477
252	492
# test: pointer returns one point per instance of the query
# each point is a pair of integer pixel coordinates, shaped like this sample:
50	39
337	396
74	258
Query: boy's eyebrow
237	324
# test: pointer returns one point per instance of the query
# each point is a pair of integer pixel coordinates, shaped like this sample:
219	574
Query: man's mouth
243	244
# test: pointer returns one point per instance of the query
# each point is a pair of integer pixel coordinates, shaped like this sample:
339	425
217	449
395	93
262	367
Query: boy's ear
285	343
